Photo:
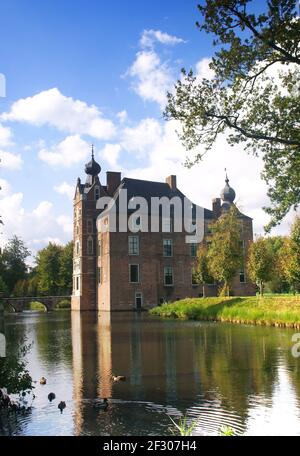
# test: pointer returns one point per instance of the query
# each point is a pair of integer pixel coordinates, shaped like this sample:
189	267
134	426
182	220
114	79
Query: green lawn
269	310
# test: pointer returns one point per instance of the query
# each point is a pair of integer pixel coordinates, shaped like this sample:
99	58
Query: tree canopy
261	262
253	97
13	262
225	254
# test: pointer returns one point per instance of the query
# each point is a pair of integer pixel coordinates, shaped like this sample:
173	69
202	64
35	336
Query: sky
96	72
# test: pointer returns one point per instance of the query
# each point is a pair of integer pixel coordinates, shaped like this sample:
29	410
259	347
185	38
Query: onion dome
92	167
227	194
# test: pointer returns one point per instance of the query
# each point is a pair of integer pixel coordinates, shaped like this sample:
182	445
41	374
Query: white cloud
65	189
149	37
141	137
152	77
36	227
122	116
51	107
202	69
71	150
5	187
10	160
66	223
43	209
5	136
111	153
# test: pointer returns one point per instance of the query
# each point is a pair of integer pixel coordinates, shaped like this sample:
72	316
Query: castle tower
85	238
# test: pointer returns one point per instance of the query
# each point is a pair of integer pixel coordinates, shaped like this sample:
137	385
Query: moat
217	374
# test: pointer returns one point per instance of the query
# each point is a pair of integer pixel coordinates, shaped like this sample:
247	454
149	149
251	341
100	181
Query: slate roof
149	189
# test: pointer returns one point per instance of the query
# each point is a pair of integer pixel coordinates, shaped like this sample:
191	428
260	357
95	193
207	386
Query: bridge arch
9	307
35	304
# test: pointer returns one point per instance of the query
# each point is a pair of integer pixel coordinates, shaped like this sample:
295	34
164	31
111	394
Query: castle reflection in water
217	374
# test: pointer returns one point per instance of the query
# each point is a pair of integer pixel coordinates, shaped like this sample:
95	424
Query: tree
260	263
13	372
3	287
290	256
48	267
201	271
66	268
253	97
21	288
32	288
12	262
225	254
278	282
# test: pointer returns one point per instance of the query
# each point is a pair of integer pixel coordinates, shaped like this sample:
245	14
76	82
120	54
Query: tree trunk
203	290
261	288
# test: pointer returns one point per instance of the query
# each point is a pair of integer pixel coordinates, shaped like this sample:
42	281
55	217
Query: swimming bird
102	405
43	381
51	396
61	406
119	378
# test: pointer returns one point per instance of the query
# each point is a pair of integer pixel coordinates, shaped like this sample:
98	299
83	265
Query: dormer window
97	193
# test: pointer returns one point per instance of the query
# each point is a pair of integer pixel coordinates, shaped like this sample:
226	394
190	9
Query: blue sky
81	72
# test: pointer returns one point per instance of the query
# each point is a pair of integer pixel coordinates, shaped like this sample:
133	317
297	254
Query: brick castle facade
138	270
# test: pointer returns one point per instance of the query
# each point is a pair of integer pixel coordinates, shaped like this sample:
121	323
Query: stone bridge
19	304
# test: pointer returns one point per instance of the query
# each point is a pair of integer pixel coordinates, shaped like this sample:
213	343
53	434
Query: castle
121	269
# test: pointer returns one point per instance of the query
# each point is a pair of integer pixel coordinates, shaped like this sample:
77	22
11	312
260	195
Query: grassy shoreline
280	311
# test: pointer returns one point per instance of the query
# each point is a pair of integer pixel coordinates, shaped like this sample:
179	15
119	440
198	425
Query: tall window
242	276
97	193
168	275
77	248
77	283
133	245
242	245
168	247
90	226
90	246
99	275
134	273
193	247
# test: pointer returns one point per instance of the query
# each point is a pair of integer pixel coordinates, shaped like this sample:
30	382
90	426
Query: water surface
216	374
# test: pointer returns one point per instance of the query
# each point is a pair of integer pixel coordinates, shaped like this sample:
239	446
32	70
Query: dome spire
92	168
227	194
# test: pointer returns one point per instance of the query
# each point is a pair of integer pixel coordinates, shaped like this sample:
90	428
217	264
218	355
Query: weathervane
226	180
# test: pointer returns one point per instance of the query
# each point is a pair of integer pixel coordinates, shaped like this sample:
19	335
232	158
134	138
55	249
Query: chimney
113	180
171	181
216	207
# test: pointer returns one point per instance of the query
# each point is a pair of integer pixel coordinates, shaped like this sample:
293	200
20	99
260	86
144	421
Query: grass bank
282	311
